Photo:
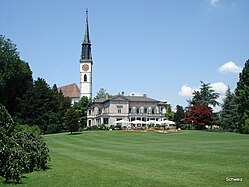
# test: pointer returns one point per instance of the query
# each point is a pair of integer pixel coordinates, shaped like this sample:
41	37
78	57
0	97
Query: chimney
122	93
144	95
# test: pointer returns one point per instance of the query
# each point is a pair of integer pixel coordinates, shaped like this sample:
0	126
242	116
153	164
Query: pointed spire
86	36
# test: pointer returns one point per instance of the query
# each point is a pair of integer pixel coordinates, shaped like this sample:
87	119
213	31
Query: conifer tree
229	118
179	115
242	98
206	96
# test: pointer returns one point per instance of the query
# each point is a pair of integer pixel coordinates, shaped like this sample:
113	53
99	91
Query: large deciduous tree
82	107
15	75
72	120
242	98
199	115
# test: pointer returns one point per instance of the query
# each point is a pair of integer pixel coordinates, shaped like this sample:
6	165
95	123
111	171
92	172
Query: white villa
107	111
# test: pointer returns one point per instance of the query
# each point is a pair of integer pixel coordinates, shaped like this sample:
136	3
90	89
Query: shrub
35	148
94	127
118	127
34	129
112	127
20	152
53	128
103	127
14	160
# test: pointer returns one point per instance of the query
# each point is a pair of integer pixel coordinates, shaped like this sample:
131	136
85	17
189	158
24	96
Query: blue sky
163	48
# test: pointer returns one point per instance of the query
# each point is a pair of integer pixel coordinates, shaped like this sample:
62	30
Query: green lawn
188	158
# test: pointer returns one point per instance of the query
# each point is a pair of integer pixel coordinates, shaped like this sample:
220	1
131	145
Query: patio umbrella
138	122
123	122
153	122
168	122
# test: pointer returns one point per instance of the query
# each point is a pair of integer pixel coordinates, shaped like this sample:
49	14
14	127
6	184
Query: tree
229	118
72	120
206	96
199	115
36	105
15	76
44	107
60	105
82	107
102	94
169	113
242	98
179	115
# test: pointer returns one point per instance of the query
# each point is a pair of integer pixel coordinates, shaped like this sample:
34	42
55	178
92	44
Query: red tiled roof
71	90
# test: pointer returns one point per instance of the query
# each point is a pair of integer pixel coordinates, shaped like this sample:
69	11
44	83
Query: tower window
85	78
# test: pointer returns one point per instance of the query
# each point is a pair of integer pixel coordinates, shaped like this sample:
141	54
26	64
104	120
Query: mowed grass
188	158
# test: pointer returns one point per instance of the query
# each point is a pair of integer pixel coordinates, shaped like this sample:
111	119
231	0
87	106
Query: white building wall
86	86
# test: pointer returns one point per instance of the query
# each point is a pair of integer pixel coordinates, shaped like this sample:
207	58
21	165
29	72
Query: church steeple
86	63
86	45
86	36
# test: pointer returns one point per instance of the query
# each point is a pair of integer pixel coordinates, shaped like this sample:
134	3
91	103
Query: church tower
86	64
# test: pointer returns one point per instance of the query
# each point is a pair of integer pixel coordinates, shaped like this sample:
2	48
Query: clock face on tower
85	67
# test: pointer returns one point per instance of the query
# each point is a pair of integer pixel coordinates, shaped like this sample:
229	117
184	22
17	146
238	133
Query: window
142	110
89	122
85	78
106	121
89	112
137	110
119	110
133	110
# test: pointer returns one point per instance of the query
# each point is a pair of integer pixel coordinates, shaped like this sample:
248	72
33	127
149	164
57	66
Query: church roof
70	90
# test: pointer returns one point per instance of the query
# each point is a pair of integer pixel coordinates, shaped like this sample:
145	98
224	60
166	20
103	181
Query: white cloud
214	3
219	87
186	91
230	67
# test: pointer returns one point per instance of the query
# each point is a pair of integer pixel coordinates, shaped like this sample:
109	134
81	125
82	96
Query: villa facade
108	111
